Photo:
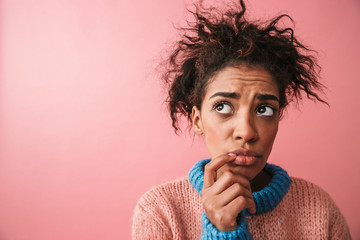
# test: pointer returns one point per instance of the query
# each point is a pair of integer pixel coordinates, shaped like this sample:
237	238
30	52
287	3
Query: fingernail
232	154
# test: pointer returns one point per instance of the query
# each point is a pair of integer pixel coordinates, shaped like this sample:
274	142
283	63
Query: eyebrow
267	97
225	94
235	95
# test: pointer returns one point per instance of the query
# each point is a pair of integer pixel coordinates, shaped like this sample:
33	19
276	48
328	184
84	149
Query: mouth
245	157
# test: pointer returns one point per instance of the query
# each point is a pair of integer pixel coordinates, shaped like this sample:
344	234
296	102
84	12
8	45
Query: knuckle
241	200
228	175
211	205
219	217
208	167
208	204
237	187
223	221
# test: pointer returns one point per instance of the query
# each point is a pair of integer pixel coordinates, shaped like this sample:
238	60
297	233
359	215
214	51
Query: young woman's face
239	114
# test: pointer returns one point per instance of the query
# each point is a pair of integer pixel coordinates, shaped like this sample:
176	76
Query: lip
245	157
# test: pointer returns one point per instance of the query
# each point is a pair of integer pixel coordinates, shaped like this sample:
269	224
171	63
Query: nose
245	128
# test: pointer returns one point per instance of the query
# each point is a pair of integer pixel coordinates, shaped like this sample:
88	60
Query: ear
196	120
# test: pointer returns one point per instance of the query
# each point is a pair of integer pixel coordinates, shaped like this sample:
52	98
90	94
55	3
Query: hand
224	198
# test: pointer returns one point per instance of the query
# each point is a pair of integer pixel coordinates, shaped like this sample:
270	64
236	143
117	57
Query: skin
240	110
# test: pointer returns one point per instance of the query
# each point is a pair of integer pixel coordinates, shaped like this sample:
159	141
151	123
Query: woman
232	79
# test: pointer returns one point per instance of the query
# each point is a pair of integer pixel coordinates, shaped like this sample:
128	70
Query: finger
227	179
240	203
232	193
211	168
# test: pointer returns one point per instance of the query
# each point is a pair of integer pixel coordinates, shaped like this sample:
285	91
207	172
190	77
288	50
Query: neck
260	181
270	194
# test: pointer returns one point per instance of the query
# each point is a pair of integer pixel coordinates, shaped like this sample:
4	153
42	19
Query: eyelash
267	105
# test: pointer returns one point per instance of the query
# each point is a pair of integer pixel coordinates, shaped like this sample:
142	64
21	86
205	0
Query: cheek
215	137
269	135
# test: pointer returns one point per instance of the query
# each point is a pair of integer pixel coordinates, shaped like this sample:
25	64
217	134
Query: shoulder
314	202
168	199
304	188
162	211
306	192
166	192
305	185
309	197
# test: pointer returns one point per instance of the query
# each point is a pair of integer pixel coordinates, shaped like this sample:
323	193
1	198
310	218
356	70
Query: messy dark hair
219	39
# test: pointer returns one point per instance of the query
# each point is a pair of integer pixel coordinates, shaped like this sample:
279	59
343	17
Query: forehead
242	78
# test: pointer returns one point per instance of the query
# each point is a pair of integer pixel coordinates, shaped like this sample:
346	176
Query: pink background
84	132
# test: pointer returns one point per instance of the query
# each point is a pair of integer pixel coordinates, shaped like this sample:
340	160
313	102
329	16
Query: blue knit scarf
266	200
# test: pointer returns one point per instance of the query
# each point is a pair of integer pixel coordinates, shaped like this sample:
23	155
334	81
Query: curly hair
220	39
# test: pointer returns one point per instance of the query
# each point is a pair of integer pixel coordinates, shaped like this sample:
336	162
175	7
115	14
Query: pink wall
84	133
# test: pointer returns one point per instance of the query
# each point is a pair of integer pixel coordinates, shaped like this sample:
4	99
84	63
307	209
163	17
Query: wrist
209	231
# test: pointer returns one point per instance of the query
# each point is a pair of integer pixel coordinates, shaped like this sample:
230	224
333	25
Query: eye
223	108
265	111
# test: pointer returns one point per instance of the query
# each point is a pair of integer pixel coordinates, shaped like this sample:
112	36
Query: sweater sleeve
147	224
209	231
338	228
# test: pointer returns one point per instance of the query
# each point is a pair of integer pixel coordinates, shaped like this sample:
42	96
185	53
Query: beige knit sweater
173	211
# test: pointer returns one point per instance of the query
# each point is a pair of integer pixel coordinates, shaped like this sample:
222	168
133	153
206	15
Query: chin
249	172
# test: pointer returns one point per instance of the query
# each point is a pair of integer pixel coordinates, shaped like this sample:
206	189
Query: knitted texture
265	200
174	211
209	231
